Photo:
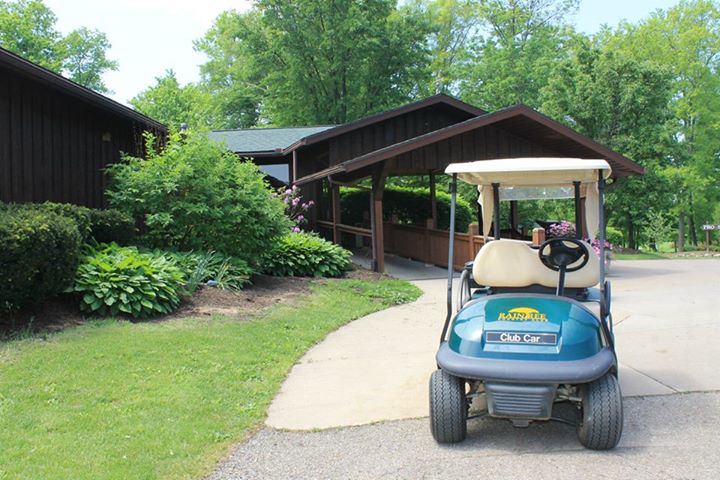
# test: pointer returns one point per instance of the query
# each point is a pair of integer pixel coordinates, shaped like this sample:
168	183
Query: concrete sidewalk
377	367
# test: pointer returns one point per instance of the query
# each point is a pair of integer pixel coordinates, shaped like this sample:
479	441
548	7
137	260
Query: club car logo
523	314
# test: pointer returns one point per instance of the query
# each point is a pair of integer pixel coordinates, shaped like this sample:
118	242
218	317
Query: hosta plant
306	255
114	280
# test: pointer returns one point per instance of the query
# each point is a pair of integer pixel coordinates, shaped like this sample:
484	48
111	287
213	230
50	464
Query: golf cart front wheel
602	420
448	408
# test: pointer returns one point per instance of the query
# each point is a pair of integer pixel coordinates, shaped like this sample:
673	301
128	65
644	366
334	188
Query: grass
638	256
118	400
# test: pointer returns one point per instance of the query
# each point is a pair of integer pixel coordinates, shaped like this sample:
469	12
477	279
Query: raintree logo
523	314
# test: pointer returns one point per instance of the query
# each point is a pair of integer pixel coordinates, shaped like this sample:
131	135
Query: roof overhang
47	77
510	118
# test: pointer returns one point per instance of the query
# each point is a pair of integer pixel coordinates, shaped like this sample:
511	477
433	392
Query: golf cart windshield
534	178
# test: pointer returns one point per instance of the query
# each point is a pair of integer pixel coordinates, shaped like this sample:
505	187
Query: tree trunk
629	234
681	232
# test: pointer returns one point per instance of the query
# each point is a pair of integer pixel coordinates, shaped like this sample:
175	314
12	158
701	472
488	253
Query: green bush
196	195
614	236
411	205
225	272
39	253
114	279
107	226
306	255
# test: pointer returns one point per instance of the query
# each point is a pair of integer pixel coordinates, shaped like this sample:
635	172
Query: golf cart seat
509	263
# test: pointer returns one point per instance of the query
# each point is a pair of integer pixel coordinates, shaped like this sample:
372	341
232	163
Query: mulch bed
63	312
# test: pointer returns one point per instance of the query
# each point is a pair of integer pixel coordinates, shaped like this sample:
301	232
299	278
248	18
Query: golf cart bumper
526	371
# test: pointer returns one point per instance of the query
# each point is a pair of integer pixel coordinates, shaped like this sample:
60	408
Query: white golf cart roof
527	172
516	173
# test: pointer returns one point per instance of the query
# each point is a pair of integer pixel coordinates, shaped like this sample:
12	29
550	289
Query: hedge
306	255
411	205
39	254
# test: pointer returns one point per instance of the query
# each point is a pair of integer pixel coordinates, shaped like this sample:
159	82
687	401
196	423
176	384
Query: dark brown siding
480	144
391	131
52	146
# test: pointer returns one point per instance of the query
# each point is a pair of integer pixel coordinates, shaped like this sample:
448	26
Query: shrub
225	272
116	279
306	255
108	226
411	205
80	216
614	236
196	195
39	253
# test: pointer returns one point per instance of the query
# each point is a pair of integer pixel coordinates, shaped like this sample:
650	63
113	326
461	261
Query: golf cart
533	326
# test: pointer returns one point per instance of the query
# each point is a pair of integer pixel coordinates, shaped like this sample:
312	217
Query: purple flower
311	203
300	218
295	201
288	192
296	229
294	188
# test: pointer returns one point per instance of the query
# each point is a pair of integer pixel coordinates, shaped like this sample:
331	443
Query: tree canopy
27	28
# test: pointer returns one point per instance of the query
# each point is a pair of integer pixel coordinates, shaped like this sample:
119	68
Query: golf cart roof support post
451	252
601	239
496	220
578	211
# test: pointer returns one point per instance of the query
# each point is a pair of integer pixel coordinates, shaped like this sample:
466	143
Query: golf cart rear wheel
448	408
602	420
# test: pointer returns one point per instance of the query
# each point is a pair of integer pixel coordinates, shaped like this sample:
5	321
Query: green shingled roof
251	140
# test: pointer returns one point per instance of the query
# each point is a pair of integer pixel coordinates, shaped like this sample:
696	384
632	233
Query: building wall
54	147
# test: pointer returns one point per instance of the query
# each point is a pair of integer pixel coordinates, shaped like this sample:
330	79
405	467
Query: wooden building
56	136
420	138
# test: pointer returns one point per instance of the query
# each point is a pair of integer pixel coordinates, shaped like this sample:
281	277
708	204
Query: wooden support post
538	236
513	217
433	202
473	231
335	206
293	173
376	197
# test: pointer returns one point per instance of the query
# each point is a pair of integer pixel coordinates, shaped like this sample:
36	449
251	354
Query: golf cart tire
448	408
602	421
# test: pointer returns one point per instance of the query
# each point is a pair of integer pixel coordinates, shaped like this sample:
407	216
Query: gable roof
248	142
47	77
264	140
532	123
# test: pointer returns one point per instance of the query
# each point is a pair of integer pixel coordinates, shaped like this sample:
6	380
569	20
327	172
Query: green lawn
638	256
113	399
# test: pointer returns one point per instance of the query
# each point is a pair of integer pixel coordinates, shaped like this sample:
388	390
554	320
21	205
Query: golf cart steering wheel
562	252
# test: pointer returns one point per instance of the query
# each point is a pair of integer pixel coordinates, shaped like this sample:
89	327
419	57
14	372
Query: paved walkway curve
377	367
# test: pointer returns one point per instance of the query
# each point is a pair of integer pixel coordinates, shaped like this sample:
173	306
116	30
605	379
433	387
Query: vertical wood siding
52	147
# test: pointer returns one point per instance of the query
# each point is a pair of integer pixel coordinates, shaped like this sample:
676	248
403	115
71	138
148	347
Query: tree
685	39
27	28
306	62
622	103
171	104
510	61
84	59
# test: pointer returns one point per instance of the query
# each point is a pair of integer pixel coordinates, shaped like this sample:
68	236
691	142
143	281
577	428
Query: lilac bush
595	244
295	208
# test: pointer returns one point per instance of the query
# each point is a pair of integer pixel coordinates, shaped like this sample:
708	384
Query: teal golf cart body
532	325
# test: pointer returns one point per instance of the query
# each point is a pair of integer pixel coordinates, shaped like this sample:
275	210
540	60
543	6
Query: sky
151	36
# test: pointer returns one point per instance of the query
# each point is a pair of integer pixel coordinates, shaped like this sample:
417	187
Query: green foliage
306	255
614	236
111	225
116	279
410	204
27	28
171	104
80	216
310	62
196	195
511	61
200	267
39	253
